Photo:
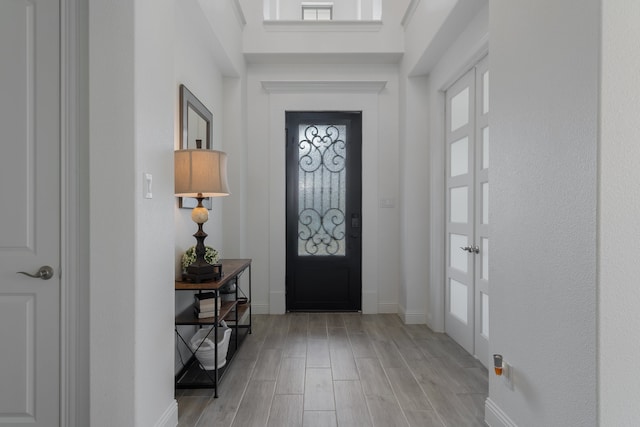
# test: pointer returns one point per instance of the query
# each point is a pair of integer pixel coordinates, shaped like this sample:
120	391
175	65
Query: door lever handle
355	220
471	249
45	273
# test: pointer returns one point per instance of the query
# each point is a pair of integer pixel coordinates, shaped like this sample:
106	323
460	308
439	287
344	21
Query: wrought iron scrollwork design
321	218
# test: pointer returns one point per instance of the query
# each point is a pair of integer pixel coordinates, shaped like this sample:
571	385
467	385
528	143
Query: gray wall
544	58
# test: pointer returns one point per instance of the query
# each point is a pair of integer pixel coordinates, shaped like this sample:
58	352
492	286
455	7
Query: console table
235	311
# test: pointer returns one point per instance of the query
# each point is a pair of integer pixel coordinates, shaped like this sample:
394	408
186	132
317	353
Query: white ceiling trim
322	26
323	58
297	86
237	8
408	14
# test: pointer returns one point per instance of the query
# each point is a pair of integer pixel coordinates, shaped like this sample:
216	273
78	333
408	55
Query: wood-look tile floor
342	369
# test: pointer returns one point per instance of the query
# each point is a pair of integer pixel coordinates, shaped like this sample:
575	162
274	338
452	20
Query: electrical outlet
387	203
507	375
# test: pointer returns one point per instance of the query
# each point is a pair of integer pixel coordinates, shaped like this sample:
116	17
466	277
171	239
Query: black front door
324	211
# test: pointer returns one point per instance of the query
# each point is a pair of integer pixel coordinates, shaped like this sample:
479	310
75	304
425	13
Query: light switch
387	203
147	182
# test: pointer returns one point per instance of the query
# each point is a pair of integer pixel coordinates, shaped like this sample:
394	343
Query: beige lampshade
200	171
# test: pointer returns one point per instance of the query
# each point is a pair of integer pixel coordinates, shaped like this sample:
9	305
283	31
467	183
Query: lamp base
198	273
200	270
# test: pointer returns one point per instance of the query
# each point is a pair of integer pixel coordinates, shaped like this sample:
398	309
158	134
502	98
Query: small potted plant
210	255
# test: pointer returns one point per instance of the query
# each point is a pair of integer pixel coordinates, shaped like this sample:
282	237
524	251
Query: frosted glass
460	109
485	258
458	258
485	147
460	157
485	92
485	315
485	203
459	204
458	301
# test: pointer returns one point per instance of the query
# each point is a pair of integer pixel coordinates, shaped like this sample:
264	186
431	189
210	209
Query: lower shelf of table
193	376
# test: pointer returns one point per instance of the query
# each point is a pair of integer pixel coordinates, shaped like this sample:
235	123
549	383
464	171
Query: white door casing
481	238
467	234
29	212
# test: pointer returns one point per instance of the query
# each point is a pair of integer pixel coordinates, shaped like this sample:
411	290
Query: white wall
154	107
112	212
544	61
234	138
266	172
414	200
619	294
131	132
226	21
422	25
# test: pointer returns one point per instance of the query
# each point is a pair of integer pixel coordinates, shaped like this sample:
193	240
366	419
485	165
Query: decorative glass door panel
324	192
321	190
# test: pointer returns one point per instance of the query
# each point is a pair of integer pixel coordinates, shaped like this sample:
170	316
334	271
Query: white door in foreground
29	213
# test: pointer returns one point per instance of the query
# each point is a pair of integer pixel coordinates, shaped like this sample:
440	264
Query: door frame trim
352	120
292	96
72	359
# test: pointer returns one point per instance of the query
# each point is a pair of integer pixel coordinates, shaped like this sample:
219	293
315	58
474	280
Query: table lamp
200	173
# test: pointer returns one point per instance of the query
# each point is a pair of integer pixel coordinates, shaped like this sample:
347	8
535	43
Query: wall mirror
196	123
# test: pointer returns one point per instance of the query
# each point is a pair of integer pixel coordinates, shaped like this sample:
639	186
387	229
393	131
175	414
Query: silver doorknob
45	273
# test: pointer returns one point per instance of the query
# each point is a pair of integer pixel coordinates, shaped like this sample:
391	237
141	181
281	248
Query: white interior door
29	212
460	140
467	237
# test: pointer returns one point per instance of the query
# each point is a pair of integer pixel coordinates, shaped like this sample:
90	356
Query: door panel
467	141
481	237
460	211
324	211
29	212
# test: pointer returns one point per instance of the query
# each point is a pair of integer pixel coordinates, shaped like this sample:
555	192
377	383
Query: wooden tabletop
230	269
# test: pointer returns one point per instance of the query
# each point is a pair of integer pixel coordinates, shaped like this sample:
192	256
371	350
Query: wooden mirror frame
189	102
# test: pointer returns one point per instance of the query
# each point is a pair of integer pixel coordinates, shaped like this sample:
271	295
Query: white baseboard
415	318
277	302
411	317
387	307
259	308
170	416
369	302
496	417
